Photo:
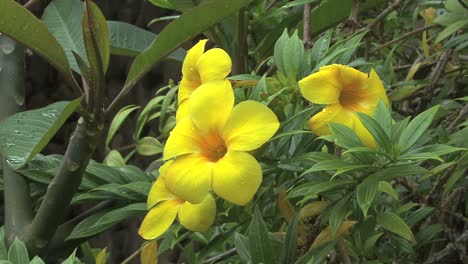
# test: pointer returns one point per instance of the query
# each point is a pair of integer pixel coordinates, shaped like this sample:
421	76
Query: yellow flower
211	145
165	206
345	91
198	68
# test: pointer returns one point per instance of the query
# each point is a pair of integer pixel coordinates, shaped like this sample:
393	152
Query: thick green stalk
18	210
56	203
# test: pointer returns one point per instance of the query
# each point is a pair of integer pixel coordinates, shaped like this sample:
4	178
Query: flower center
212	146
350	99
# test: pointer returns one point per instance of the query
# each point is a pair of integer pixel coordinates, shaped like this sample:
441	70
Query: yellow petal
376	89
350	78
322	87
158	193
198	217
215	64
211	104
189	177
182	111
364	135
159	219
332	113
182	140
250	125
236	177
186	88
189	67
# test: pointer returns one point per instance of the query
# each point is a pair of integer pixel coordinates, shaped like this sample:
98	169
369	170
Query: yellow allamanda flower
165	206
200	67
345	91
211	146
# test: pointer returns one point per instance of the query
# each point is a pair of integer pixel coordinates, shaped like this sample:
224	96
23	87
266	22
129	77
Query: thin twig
404	36
460	117
430	198
381	16
240	65
344	252
440	66
437	257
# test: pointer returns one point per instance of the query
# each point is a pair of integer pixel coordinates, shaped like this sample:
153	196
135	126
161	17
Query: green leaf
96	39
25	134
365	193
317	254
354	41
114	159
260	88
143	117
313	188
370	242
37	260
149	146
338	213
419	215
416	128
63	19
162	3
243	247
344	136
18	253
338	165
97	223
71	259
380	136
387	188
393	223
394	172
452	28
436	149
190	23
383	117
289	253
117	122
129	40
416	157
290	133
261	249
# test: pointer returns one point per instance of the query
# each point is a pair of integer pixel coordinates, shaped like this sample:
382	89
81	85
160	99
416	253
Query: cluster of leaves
318	194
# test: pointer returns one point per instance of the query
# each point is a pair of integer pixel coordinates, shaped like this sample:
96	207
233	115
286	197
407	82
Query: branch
18	209
231	252
240	64
381	16
55	205
411	33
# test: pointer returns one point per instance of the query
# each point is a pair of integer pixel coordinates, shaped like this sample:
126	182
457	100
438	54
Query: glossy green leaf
118	120
32	33
25	134
380	136
393	223
63	19
96	38
311	189
289	253
114	159
387	188
261	249
339	165
452	28
189	24
18	253
338	213
344	136
37	260
416	128
129	40
365	193
242	246
395	172
71	259
162	3
149	146
104	220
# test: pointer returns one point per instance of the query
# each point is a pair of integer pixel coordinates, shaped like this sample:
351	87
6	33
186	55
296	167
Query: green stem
18	210
55	205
